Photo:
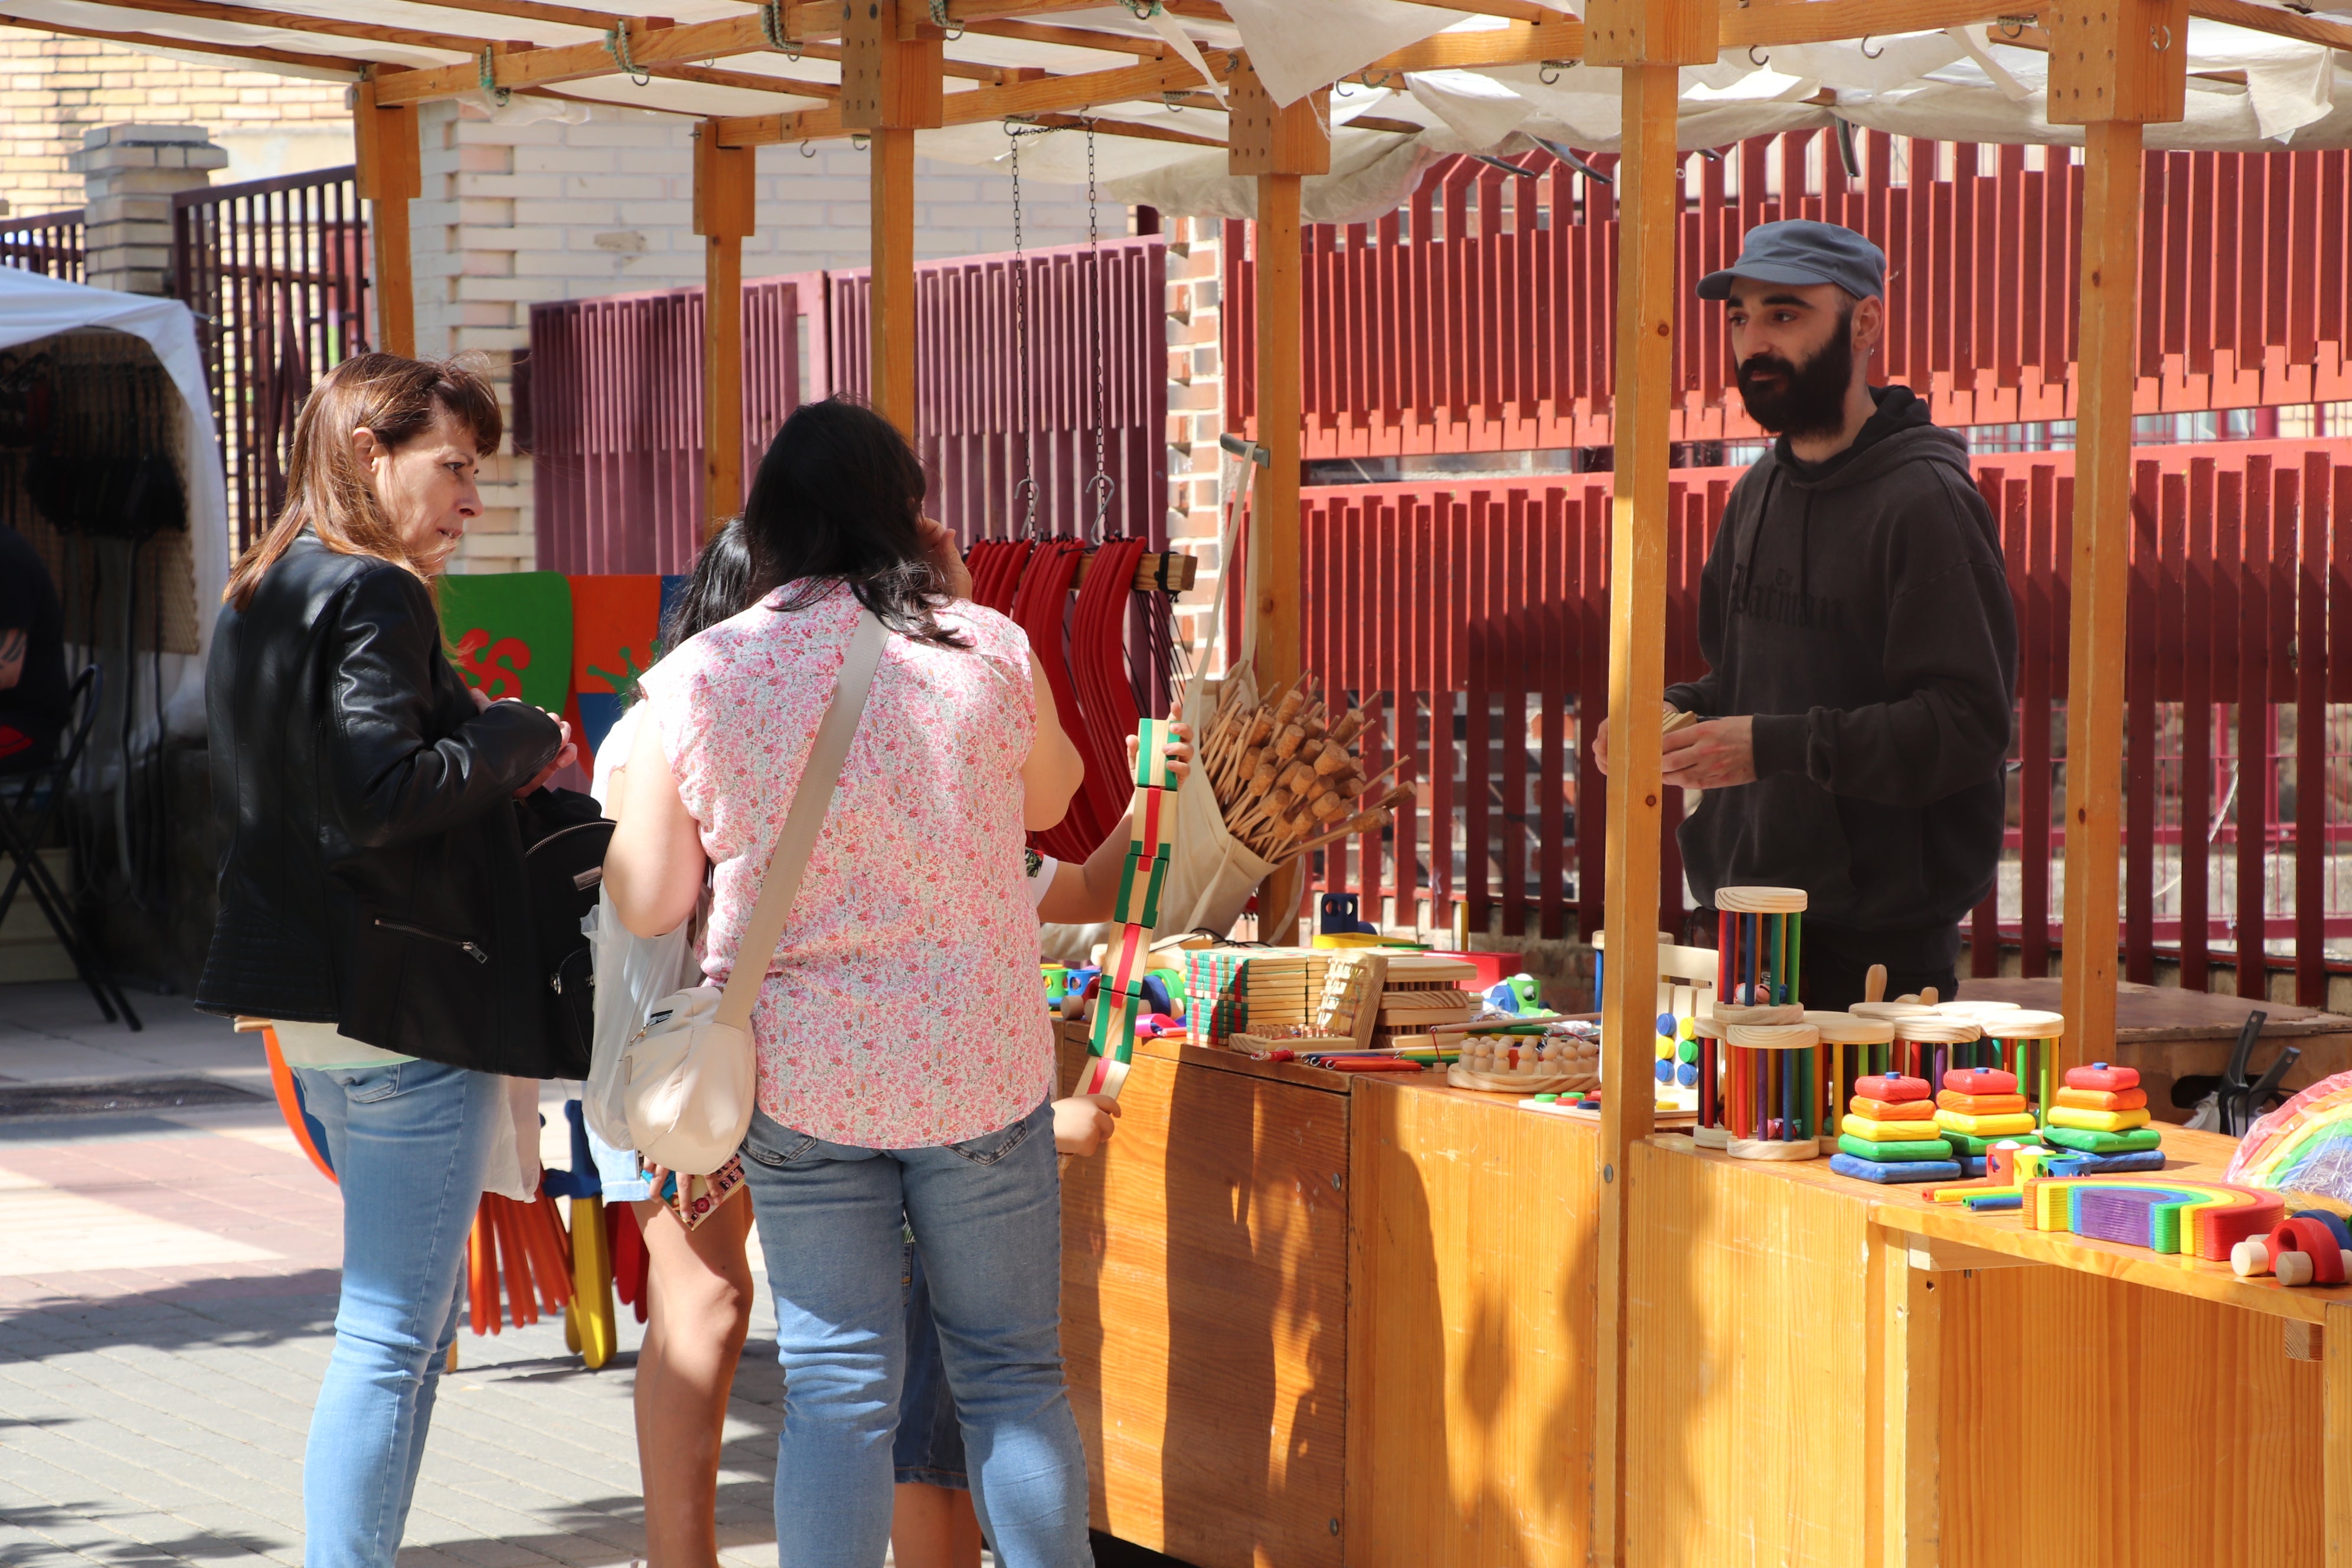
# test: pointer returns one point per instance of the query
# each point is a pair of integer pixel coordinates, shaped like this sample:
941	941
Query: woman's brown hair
327	488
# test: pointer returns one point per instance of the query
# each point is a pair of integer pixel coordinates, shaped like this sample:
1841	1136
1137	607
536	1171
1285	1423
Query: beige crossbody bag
690	1078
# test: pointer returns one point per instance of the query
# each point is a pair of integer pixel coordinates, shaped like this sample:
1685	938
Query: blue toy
1340	915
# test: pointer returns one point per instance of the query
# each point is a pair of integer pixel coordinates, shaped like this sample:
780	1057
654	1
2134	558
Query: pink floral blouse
903	1007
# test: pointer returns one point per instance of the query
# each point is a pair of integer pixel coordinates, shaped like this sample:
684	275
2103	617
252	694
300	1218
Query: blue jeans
987	1214
410	1143
929	1450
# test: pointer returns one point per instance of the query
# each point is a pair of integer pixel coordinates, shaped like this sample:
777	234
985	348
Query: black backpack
563	838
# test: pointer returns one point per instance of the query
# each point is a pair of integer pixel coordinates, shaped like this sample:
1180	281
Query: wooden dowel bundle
1286	777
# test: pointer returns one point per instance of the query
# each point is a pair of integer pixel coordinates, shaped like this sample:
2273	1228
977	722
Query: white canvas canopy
2250	90
32	308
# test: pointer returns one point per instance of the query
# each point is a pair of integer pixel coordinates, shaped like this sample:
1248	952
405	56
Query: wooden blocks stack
1423	993
1119	1003
1889	1133
1979	1107
2102	1110
1253	990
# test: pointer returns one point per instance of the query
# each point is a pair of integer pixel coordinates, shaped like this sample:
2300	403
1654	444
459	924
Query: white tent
33	307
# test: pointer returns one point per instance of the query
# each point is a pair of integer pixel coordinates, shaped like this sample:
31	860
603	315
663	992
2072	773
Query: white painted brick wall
515	215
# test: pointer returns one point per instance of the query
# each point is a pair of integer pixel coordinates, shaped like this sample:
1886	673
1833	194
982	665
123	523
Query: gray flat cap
1802	251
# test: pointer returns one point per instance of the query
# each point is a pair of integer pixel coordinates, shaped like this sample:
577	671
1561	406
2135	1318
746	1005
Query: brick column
130	174
1196	404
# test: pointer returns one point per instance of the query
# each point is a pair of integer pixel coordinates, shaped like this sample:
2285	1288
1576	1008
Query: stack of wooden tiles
1423	993
1888	1133
1119	1001
2101	1111
1253	990
1979	1107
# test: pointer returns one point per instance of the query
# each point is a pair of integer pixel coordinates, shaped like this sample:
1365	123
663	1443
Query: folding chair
29	802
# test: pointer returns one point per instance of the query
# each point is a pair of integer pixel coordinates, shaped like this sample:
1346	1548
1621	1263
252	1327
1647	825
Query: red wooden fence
1472	620
276	273
47	243
1479	317
615	398
609	406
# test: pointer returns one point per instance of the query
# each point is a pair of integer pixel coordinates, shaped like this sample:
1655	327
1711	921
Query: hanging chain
1103	486
489	75
772	24
616	44
1024	492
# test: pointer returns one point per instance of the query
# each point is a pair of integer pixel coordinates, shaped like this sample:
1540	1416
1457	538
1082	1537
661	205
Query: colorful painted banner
571	645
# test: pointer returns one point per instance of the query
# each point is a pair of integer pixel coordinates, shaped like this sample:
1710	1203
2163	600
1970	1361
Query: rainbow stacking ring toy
2202	1219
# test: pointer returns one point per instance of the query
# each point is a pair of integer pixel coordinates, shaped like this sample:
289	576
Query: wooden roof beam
749	81
1770	22
1152	49
2279	24
149	41
253	16
1561	38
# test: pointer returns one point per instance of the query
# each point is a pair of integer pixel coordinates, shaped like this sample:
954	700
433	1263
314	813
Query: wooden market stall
1312	1318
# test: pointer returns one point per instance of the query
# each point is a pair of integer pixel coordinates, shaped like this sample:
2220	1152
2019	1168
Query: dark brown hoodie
1859	608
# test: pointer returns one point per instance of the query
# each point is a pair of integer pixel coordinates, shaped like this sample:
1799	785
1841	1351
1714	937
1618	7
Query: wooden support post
1279	146
725	214
1905	1380
2336	1436
1649	39
890	87
2113	65
890	309
390	175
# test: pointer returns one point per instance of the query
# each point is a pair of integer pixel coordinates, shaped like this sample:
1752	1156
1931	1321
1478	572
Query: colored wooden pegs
1152	739
1140	879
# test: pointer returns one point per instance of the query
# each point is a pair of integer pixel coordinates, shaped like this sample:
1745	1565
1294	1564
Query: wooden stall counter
1311	1318
1825	1371
2167	1032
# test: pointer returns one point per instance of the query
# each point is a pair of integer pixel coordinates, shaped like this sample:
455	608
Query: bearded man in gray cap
1861	645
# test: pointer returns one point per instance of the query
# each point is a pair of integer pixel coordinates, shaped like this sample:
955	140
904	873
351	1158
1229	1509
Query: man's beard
1808	399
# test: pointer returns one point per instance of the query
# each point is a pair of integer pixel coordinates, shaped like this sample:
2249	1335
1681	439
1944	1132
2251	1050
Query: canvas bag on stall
689	1079
1211	874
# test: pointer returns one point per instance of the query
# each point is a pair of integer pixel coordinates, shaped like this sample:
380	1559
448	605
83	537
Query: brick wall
1196	399
54	89
513	215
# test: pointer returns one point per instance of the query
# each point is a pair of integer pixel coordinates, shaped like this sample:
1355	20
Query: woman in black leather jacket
372	892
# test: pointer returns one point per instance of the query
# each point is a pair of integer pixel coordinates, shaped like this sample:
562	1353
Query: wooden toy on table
1119	1001
2203	1218
1926	1046
1526	1064
1887	1132
1771	1092
1852	1048
2020	1040
2303	1250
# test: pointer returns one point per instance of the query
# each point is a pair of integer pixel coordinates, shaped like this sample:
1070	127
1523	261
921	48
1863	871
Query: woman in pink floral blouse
905	1060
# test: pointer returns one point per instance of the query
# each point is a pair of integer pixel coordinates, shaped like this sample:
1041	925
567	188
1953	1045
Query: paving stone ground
167	1293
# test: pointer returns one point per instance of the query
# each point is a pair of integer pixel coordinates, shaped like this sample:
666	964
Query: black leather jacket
373	874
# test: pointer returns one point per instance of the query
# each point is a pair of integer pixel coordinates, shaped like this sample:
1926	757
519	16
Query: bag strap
780	883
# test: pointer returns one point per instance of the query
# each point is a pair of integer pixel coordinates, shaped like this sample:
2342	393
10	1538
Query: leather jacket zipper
405	929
